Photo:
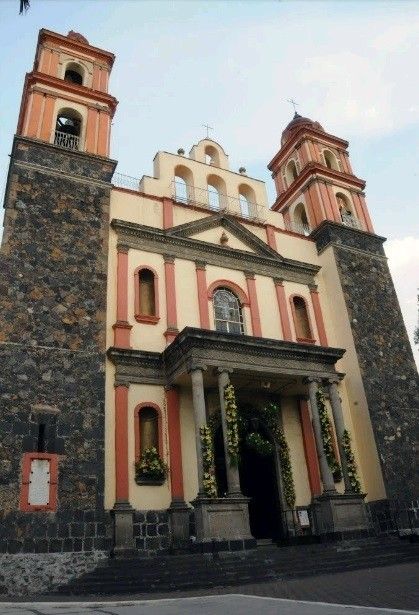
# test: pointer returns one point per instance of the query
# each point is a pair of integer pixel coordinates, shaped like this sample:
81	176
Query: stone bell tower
319	195
53	265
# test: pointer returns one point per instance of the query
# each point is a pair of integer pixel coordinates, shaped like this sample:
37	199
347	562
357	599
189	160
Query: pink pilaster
201	283
283	310
318	315
122	328
254	306
171	311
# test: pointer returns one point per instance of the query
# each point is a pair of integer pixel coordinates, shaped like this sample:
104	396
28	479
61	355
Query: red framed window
39	482
301	317
146	295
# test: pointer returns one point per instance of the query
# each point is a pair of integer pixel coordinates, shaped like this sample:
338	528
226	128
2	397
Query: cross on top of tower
293	103
208	129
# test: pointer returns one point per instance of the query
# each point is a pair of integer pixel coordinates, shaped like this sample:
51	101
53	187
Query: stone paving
377	590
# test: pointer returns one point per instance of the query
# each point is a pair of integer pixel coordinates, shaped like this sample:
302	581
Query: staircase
265	563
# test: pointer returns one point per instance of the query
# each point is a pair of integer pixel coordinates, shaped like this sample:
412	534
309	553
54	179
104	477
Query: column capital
309	379
249	275
279	281
168	258
223	370
334	380
171	387
193	367
122	247
200	265
119	383
313	288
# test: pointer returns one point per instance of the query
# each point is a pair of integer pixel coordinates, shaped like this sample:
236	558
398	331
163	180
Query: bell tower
314	180
54	266
65	98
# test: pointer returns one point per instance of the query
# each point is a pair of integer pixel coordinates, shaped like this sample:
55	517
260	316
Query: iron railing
126	181
62	139
352	222
296	227
216	201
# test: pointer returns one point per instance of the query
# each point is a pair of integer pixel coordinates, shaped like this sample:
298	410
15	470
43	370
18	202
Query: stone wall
53	265
384	353
152	531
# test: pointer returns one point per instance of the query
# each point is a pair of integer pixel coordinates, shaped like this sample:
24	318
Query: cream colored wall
268	308
213	236
183	215
135	208
186	294
147	336
355	405
292	430
143	497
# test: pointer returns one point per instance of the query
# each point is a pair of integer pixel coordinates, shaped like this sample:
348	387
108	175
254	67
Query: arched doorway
259	480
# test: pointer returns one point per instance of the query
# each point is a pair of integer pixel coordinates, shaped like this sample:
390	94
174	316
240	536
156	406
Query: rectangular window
39	482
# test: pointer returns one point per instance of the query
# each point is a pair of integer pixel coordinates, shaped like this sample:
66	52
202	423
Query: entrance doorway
258	481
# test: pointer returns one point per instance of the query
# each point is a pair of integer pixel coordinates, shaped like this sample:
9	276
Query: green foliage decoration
151	465
350	462
232	425
326	429
207	448
258	443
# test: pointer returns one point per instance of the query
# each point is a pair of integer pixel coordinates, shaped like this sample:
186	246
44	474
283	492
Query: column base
179	513
124	544
340	513
225	519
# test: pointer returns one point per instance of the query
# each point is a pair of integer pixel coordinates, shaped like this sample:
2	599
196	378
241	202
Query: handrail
63	139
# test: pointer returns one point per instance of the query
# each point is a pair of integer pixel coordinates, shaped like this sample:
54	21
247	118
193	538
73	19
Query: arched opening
149	429
330	160
212	156
183	185
216	192
300	219
301	320
228	316
68	129
291	172
74	73
247	200
345	210
147	297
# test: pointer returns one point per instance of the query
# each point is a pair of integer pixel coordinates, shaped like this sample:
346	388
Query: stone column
325	471
200	417
233	479
340	428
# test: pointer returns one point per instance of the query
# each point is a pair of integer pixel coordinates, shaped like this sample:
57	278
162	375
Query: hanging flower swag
350	462
207	447
232	425
326	429
151	466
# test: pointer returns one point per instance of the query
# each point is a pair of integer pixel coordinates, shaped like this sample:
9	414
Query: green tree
24	5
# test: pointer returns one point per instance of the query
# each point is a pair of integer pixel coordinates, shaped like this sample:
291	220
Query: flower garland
232	426
207	447
350	462
151	465
259	444
326	429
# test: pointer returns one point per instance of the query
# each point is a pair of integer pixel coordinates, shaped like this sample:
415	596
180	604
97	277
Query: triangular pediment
210	229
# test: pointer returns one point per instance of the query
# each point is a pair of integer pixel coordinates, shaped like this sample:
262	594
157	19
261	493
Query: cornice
309	173
158	241
75	44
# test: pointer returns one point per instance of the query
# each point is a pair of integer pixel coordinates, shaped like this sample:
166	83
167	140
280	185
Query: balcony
304	229
216	201
63	139
348	220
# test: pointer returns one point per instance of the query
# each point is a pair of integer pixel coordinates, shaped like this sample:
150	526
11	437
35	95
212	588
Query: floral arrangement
151	465
326	429
258	443
232	425
207	447
350	462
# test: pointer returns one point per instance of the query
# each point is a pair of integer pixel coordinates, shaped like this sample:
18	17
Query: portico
206	362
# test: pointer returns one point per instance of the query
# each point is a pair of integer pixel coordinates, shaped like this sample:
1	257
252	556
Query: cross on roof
208	129
294	104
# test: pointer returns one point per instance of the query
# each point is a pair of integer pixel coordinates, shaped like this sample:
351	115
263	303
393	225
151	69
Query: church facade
182	363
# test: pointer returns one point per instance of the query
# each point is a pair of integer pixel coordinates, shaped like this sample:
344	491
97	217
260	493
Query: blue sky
351	65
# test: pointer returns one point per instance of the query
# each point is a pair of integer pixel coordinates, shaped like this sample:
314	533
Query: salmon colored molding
235	288
137	432
175	443
121	443
53	482
305	340
310	450
315	299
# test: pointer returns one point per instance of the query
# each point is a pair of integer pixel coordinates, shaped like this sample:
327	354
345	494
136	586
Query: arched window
212	156
228	315
74	73
330	160
147	428
216	192
247	200
68	129
183	185
303	331
345	209
146	295
300	221
291	172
